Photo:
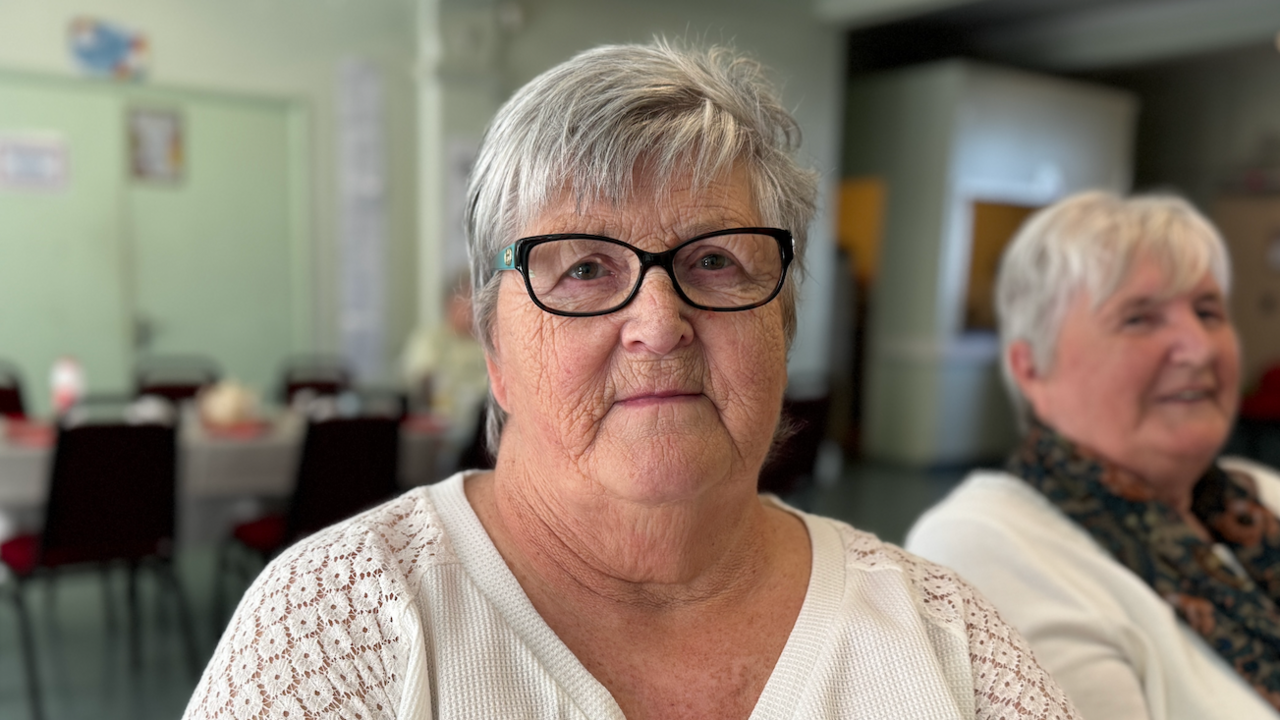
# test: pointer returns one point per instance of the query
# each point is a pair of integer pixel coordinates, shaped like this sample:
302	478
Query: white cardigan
1116	647
408	611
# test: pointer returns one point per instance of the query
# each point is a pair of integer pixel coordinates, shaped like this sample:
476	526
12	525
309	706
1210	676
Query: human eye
712	260
1211	313
586	270
1140	319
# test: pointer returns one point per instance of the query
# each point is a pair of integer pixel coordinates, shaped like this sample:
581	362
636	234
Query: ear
497	381
1028	377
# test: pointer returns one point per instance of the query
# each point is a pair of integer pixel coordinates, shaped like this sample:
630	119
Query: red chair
348	464
319	374
1259	416
1264	402
11	404
111	500
175	377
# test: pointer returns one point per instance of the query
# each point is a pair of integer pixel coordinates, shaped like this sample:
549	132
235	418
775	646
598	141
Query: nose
1193	342
657	320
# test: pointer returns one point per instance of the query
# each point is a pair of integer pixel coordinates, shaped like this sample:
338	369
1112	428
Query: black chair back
791	464
347	465
476	455
175	377
11	404
321	374
111	495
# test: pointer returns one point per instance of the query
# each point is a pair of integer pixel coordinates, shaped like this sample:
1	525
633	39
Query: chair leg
170	577
51	594
108	602
28	652
135	629
220	570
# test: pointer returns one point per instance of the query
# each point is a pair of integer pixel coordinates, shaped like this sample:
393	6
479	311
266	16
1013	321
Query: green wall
283	51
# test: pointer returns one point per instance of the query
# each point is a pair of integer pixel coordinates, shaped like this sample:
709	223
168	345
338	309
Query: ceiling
1056	35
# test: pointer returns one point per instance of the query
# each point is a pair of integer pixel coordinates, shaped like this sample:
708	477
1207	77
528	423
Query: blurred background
264	196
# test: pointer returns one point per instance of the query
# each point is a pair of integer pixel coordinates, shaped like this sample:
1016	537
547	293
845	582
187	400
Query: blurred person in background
633	215
445	370
1143	570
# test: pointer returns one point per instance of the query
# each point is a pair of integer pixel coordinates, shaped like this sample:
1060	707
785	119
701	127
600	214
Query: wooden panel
861	224
994	225
1251	228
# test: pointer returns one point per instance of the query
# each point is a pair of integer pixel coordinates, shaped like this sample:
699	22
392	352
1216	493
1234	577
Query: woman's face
658	400
1147	380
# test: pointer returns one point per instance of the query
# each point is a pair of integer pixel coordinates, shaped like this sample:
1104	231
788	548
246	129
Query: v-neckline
486	568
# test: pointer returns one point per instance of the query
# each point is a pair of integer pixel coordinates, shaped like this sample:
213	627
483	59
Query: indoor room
234	233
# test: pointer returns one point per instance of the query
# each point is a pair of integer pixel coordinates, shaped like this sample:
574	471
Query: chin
663	469
1196	443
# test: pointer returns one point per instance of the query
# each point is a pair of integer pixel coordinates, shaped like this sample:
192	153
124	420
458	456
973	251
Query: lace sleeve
321	633
1008	682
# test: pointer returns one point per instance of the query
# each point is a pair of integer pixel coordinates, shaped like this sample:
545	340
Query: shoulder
405	534
993	514
330	626
964	632
939	594
1267	478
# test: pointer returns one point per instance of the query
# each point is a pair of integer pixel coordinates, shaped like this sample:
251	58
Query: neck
557	530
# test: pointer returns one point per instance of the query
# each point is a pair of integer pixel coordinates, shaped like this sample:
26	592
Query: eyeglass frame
516	255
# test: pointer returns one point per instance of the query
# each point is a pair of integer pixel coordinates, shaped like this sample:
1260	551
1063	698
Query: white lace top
408	611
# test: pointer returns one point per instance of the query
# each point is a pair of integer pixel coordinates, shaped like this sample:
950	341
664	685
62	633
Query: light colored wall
286	49
1205	123
804	54
944	135
1206	119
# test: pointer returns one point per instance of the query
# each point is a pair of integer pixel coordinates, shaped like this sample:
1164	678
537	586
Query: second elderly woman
636	223
1144	572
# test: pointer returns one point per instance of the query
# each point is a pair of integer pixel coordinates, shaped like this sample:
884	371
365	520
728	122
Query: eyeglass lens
724	272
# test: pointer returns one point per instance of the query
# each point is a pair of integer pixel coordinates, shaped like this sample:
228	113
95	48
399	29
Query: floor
84	666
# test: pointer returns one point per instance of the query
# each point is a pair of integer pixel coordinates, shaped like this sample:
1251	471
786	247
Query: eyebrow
1145	302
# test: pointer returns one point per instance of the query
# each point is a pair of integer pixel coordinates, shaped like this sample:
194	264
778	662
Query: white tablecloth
213	472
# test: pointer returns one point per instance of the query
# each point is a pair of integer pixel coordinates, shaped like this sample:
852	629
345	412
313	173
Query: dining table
223	475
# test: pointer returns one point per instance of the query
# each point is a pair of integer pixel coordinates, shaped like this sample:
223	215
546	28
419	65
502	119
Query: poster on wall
363	233
33	162
156	145
103	49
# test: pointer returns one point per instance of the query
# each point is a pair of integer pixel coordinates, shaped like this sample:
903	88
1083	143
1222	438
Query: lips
1195	394
657	396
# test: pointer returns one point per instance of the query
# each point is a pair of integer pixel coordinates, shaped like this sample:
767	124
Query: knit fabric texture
408	611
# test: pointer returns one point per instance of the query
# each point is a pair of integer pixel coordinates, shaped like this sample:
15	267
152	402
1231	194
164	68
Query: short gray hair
1089	241
586	126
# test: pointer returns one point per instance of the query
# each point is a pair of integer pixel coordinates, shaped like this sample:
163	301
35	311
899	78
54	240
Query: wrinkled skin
624	498
1147	380
659	401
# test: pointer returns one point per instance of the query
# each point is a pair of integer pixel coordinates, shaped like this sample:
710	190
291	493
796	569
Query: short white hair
588	125
1089	242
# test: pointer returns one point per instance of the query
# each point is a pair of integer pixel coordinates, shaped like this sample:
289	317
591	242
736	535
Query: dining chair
175	377
11	404
475	454
790	465
348	463
319	374
111	501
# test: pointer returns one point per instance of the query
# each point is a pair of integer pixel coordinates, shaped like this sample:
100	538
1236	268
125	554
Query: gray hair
586	127
1090	241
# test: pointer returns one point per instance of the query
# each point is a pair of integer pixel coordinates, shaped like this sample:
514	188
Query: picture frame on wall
156	145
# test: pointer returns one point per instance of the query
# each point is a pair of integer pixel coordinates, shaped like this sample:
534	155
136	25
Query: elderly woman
634	213
1144	573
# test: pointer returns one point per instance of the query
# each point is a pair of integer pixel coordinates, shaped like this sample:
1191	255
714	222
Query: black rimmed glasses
583	275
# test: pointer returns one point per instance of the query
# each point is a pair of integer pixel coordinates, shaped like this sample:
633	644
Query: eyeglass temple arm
506	258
